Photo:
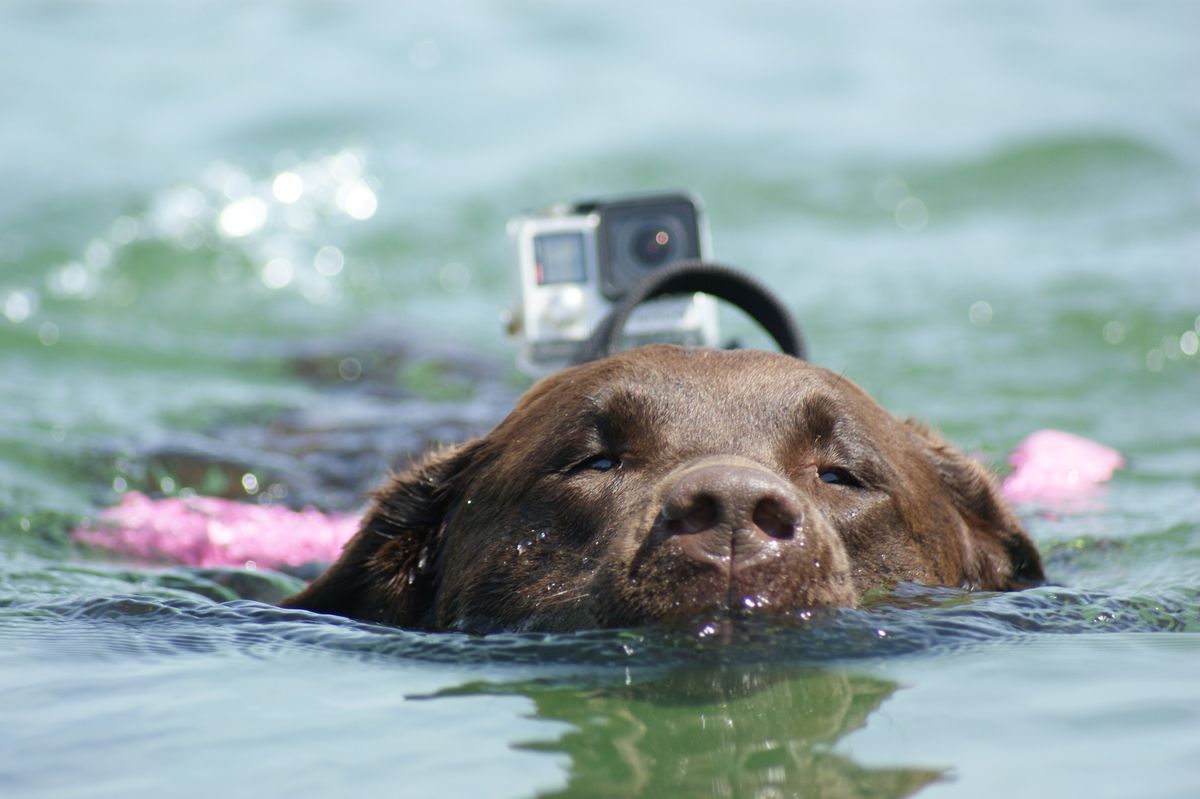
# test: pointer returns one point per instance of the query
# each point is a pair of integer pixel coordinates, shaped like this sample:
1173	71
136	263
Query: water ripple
911	621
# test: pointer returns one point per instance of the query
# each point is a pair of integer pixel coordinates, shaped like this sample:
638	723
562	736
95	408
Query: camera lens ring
620	264
652	245
653	242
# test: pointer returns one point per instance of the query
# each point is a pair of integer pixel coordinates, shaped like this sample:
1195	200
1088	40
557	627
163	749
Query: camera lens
641	235
652	241
652	245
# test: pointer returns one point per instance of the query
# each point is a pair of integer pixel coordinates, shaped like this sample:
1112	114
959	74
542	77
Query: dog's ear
1001	556
386	571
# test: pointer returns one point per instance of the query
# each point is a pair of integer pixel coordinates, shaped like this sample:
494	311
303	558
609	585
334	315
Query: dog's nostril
691	516
776	519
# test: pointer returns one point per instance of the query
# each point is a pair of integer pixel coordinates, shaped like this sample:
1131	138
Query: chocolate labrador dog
665	483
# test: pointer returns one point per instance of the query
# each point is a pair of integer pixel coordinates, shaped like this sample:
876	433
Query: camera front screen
640	235
559	258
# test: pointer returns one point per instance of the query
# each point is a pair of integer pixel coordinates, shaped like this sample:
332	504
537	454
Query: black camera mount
691	276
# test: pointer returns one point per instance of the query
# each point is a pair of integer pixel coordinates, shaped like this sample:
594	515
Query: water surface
987	215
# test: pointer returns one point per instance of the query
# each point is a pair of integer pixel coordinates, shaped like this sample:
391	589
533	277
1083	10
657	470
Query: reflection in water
735	731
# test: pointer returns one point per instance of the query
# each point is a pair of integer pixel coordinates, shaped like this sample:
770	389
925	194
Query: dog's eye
839	477
600	463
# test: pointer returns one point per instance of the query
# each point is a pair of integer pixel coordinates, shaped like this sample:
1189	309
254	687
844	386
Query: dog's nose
731	515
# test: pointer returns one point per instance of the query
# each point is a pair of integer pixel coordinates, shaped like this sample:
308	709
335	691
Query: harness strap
690	276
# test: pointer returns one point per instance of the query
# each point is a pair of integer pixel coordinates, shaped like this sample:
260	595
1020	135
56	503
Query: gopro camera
575	261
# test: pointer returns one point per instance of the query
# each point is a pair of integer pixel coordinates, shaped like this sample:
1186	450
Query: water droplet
48	334
980	313
72	280
889	191
425	55
125	230
329	261
1114	332
1155	360
349	369
278	273
228	180
98	254
177	206
345	165
1189	343
911	215
19	305
250	483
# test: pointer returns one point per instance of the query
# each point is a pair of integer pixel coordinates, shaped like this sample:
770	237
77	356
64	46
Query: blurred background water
258	250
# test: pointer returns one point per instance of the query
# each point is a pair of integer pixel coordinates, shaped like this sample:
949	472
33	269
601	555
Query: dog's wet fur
667	483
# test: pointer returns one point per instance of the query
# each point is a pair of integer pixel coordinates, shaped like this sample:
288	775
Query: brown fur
713	504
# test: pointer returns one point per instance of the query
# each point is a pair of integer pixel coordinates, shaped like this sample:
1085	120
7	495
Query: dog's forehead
665	369
669	383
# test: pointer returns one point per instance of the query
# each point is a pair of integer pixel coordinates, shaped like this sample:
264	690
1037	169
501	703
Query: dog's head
663	483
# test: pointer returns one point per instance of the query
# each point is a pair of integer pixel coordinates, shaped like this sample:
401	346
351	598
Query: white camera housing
575	262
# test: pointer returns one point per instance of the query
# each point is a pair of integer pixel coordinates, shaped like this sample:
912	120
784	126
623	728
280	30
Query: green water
987	214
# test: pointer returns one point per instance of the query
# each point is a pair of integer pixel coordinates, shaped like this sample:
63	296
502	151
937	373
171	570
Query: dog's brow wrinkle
820	416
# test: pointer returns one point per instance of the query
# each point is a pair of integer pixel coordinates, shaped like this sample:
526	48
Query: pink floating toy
1048	466
1051	465
208	531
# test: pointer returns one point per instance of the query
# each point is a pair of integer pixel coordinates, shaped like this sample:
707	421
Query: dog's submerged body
665	483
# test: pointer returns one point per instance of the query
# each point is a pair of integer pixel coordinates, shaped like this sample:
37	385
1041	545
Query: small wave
1066	170
1059	156
913	621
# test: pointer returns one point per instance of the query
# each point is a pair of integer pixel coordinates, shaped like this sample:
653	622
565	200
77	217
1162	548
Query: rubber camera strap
691	276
